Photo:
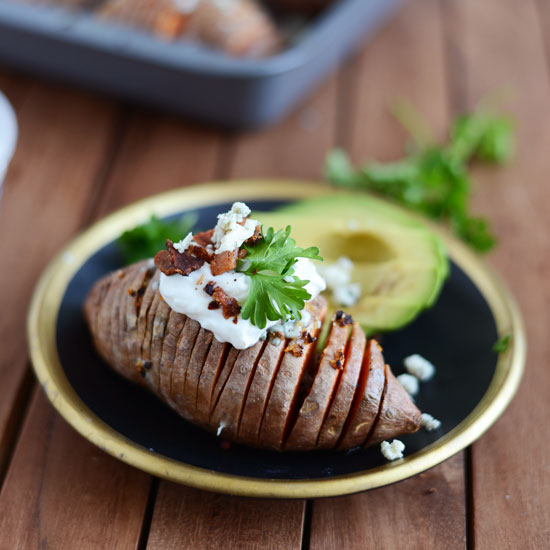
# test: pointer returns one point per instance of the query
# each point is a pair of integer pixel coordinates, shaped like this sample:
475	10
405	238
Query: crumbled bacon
221	263
200	252
209	288
171	261
308	338
338	361
343	319
251	241
230	306
296	348
204	238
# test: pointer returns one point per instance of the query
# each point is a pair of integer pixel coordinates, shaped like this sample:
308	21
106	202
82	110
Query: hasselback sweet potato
277	394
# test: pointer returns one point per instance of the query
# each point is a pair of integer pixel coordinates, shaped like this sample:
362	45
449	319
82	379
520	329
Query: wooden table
81	156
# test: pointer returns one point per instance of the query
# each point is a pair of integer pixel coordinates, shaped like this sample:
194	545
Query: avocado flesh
400	264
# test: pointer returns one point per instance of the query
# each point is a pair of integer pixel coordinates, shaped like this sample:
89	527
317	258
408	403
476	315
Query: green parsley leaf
275	291
145	240
273	298
276	252
502	344
433	179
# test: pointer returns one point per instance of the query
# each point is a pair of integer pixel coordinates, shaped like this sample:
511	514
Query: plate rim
50	289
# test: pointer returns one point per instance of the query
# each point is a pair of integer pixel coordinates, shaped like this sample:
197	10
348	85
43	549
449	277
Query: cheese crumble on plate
419	367
429	423
409	382
393	450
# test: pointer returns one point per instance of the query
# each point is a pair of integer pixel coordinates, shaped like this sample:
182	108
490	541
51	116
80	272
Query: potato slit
231	360
147	301
204	410
149	273
158	337
249	383
270	388
334	393
174	326
180	336
177	393
358	395
381	405
190	378
305	383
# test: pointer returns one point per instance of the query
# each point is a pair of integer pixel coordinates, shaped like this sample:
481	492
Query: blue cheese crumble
429	423
409	382
393	450
419	367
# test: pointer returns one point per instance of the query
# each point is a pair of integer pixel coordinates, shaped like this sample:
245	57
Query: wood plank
499	45
155	153
421	512
160	152
196	520
59	491
63	492
53	170
187	518
405	60
296	147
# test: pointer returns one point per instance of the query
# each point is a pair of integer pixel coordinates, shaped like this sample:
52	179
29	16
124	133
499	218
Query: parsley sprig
275	292
434	179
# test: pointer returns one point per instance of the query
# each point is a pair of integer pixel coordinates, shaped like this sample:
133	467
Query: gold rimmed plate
472	387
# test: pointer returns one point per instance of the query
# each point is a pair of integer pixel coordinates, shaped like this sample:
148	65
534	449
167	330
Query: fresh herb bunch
145	240
434	179
275	292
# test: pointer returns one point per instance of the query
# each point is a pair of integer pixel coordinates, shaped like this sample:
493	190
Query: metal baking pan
182	77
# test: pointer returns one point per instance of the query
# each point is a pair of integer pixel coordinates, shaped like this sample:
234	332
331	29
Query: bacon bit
171	261
230	306
295	348
241	254
343	319
200	252
139	297
251	241
209	288
143	367
204	238
131	292
308	338
221	263
338	361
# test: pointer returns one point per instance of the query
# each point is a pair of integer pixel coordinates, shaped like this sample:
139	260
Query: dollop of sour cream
186	295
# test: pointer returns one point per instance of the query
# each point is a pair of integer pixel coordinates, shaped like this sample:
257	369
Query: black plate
471	389
456	335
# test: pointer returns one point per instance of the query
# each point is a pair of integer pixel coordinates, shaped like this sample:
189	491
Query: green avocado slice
400	263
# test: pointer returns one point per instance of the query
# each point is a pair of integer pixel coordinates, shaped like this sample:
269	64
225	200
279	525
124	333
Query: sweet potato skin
263	396
305	432
340	408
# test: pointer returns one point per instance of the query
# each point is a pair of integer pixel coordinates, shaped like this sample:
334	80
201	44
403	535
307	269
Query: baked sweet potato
277	394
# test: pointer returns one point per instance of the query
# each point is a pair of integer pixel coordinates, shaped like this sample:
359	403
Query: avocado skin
400	263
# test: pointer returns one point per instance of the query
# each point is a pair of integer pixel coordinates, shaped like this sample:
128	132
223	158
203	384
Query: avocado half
399	262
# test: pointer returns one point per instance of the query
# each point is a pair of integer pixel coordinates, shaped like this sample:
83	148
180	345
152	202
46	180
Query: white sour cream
185	294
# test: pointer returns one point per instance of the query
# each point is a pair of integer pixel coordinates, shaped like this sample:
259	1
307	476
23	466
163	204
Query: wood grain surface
81	156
